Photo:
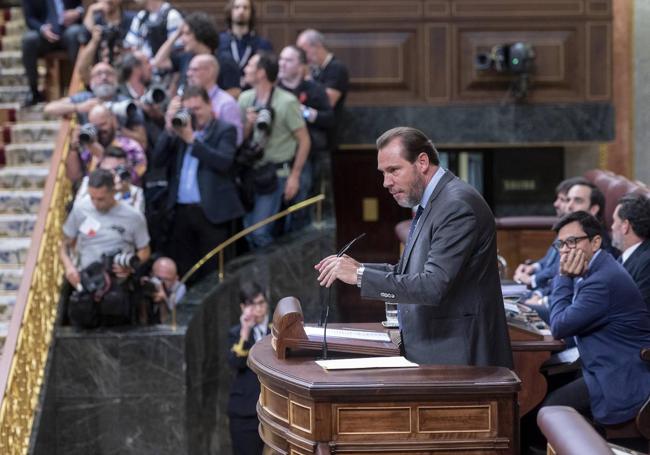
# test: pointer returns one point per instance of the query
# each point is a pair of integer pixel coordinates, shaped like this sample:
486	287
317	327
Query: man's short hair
313	37
413	141
114	151
203	28
248	291
126	64
587	221
302	55
635	208
596	198
269	63
101	178
565	185
193	91
228	14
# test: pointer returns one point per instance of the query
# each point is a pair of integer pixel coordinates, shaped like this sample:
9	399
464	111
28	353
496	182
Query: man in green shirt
285	140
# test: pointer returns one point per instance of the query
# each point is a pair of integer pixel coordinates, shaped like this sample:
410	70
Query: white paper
350	334
366	362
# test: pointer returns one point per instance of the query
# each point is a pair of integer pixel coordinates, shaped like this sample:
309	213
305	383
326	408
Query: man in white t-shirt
152	26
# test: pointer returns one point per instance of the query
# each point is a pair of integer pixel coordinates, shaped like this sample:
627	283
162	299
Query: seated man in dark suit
631	235
595	301
198	153
52	25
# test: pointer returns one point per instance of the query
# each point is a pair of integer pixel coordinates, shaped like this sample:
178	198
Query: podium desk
304	409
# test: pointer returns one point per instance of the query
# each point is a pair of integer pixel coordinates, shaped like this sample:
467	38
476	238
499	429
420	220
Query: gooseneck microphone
325	310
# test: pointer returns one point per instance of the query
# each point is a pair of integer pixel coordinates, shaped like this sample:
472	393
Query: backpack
156	31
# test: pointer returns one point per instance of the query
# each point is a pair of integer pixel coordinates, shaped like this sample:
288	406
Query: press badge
89	227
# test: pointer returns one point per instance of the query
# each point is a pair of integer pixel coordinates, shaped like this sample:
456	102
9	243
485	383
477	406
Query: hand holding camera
182	125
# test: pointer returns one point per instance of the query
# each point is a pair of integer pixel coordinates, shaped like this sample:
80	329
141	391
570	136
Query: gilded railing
30	333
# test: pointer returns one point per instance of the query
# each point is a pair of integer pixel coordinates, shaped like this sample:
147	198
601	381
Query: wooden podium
304	409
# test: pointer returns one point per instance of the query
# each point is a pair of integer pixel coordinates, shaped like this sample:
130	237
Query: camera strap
268	102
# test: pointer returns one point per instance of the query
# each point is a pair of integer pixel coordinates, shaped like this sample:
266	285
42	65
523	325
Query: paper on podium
348	333
366	362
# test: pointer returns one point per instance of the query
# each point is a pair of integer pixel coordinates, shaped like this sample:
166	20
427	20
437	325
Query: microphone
326	310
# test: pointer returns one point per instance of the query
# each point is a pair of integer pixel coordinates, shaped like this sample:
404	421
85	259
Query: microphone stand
326	310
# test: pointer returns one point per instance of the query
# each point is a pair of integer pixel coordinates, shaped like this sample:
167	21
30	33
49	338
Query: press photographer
197	151
104	241
285	141
162	290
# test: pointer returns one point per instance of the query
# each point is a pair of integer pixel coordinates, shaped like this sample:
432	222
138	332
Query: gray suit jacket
447	283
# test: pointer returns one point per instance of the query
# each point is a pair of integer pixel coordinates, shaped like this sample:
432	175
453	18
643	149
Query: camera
151	285
181	119
155	95
87	134
264	119
122	172
516	58
125	109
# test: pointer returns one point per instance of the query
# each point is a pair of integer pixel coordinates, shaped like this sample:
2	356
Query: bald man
169	289
203	71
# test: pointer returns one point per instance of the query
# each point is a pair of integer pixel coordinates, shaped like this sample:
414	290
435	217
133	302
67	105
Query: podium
304	409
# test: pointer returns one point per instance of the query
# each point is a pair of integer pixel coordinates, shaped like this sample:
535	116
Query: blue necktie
414	223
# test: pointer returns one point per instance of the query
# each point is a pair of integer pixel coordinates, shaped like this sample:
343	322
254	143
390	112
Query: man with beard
103	89
447	284
240	41
90	154
631	235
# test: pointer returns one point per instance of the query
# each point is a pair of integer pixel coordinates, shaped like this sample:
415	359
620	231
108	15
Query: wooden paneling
517	8
347	10
437	63
599	55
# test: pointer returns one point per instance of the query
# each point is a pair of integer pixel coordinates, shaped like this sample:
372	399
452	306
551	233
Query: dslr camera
154	96
182	118
264	119
87	134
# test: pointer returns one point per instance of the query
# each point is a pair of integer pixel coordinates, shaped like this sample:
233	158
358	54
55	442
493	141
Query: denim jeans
301	218
265	206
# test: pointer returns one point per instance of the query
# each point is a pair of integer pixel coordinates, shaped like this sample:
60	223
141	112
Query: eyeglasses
570	242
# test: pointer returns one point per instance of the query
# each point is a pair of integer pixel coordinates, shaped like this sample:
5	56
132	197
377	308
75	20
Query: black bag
156	31
82	310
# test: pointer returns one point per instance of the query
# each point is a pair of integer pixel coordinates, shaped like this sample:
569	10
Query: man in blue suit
596	301
198	155
52	25
631	235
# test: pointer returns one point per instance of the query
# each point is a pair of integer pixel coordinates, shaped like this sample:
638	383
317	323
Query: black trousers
574	394
193	236
245	436
35	46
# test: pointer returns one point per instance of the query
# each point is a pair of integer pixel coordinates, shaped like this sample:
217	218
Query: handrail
27	346
222	246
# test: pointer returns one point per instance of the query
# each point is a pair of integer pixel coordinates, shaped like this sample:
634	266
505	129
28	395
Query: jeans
265	205
301	218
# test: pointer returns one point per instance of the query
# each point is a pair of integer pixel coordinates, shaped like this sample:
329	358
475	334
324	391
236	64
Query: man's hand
527	269
122	272
174	105
291	187
534	299
72	275
48	34
524	278
251	116
574	263
186	133
87	105
332	268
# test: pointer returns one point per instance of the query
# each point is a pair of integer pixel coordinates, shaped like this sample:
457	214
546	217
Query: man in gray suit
447	281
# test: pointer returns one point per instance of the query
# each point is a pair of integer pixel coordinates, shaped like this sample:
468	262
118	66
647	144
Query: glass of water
391	315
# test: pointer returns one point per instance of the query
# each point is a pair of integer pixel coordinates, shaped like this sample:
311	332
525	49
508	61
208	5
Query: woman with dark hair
245	390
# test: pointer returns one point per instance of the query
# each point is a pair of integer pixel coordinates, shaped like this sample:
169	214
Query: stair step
15	26
14	251
12	42
19	201
17	225
28	154
7	303
15	93
13	112
10	278
30	132
24	178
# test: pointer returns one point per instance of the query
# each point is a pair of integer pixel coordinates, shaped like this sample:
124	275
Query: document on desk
366	362
352	334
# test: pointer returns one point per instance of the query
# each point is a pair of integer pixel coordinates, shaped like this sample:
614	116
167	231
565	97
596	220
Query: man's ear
596	243
594	209
422	161
626	227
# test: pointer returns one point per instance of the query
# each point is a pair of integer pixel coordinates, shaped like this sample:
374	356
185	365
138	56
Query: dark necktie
414	223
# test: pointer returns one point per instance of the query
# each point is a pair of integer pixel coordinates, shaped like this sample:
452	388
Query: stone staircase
27	141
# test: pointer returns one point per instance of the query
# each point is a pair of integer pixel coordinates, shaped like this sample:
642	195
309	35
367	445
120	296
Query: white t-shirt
136	38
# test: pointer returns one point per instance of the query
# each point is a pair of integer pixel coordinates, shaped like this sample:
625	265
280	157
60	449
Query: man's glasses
570	242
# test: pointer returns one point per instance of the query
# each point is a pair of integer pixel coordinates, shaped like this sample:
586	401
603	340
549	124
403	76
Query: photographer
114	160
198	151
105	27
163	289
97	229
274	123
103	89
94	137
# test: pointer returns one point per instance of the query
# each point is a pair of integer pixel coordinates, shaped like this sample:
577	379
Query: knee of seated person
31	38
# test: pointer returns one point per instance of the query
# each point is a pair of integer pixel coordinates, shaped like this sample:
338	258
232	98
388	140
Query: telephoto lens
87	134
155	95
181	119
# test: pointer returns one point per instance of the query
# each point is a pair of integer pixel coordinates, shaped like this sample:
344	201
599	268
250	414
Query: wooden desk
304	409
529	352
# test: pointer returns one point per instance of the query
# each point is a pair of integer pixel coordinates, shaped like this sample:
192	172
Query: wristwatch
360	270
